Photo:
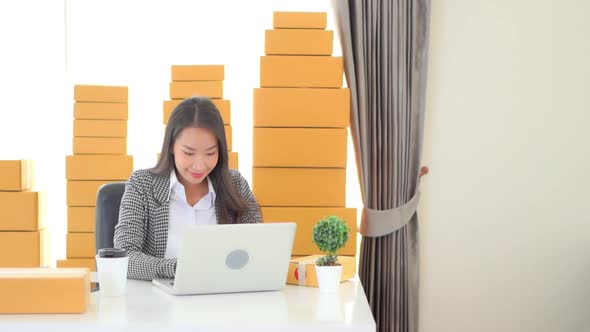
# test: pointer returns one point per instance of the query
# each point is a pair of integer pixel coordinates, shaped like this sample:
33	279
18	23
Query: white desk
147	308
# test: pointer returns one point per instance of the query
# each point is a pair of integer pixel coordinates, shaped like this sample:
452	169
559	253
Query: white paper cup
111	266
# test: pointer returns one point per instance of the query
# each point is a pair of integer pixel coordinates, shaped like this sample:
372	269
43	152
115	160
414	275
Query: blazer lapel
162	212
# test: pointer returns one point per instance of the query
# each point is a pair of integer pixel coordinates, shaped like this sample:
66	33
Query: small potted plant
330	234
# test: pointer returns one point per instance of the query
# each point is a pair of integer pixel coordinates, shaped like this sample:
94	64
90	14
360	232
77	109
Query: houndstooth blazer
143	222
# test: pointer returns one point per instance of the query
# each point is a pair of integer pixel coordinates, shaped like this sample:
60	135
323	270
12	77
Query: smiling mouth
197	175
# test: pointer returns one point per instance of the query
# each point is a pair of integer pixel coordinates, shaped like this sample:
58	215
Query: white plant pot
329	277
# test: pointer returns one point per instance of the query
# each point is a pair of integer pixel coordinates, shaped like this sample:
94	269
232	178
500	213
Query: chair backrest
107	213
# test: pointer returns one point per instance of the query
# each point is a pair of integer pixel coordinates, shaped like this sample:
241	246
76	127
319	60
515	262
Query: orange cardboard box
224	107
296	107
81	245
228	137
101	93
298	42
101	111
100	145
83	193
88	263
183	90
233	160
306	219
22	210
81	219
300	187
100	128
99	167
302	270
198	73
44	291
24	249
16	175
312	71
300	147
300	20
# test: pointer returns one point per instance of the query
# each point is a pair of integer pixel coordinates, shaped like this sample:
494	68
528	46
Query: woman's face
195	155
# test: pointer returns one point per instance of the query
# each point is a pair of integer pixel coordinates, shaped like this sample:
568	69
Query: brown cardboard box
16	175
100	128
83	193
22	210
233	160
87	263
101	93
101	111
223	106
99	167
300	187
183	90
300	147
306	219
312	71
228	137
298	42
80	245
296	107
24	249
100	145
44	291
302	270
300	20
198	73
81	219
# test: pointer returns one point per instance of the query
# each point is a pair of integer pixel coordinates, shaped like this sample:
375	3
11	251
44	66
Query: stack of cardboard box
301	119
205	81
24	240
100	156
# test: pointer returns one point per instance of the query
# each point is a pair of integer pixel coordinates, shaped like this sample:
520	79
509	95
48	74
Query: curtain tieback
375	223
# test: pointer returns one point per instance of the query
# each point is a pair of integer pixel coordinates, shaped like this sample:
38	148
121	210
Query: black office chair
108	201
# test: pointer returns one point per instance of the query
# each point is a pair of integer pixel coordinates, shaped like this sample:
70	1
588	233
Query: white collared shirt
183	216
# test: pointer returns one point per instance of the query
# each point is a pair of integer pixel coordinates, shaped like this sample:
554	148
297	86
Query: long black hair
200	112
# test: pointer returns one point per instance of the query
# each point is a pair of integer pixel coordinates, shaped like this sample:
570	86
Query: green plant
330	234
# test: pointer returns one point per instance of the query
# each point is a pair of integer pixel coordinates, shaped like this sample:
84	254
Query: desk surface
147	308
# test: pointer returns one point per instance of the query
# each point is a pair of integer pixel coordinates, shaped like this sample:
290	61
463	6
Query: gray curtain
385	47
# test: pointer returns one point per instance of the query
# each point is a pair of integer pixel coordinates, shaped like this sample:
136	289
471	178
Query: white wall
505	224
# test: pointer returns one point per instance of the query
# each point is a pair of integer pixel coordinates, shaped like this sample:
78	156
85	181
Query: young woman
190	185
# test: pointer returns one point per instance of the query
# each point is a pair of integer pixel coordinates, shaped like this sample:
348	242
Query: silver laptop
232	258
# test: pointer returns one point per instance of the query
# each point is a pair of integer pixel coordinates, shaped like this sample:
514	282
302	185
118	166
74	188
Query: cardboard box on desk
88	263
298	42
99	167
300	20
22	210
301	71
198	73
16	175
44	291
302	270
302	107
100	145
24	249
101	111
223	105
100	128
300	147
101	93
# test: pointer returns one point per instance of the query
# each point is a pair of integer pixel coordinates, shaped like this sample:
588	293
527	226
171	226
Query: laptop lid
234	258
